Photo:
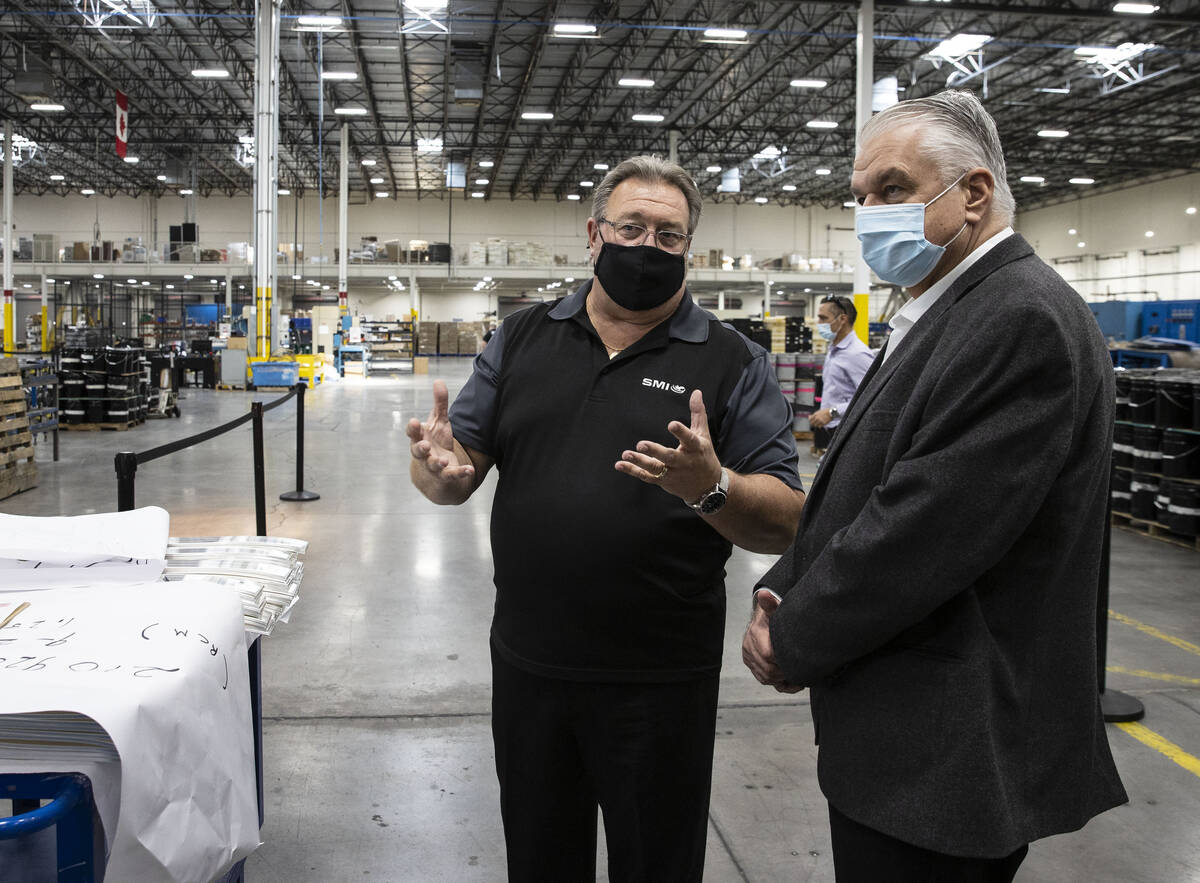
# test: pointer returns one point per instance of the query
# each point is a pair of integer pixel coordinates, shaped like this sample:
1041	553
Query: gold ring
660	474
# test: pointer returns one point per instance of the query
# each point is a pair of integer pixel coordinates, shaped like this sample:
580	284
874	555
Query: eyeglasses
842	303
635	234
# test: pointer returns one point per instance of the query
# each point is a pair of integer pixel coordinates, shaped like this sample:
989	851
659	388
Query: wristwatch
714	498
833	413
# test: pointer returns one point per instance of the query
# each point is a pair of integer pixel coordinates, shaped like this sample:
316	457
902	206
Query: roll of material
1142	395
1123	445
806	391
1147	448
785	372
1183	508
1143	488
1173	403
1180	454
1122	382
1121	495
800	423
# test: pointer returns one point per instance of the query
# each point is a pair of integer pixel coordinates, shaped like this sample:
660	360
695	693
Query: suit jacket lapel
877	376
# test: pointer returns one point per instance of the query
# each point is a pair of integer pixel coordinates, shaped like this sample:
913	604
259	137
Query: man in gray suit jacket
939	601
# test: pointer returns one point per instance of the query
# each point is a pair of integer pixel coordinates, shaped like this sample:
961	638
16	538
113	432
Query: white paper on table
80	550
162	667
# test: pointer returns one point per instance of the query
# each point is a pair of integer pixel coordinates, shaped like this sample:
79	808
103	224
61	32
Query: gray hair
957	134
652	170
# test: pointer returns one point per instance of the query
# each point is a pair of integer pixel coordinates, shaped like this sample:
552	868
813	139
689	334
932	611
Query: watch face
713	502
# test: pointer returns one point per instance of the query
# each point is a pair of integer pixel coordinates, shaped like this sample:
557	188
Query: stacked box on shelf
775	325
470	338
797	335
18	472
427	338
447	339
477	254
497	252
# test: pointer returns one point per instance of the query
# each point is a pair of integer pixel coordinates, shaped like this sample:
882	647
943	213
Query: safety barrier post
300	495
126	464
260	470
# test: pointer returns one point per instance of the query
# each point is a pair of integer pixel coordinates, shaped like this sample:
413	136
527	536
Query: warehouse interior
431	171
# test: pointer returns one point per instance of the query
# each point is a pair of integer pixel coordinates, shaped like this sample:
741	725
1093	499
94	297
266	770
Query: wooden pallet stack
18	472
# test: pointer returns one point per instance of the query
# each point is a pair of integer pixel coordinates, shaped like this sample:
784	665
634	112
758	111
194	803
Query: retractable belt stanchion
299	495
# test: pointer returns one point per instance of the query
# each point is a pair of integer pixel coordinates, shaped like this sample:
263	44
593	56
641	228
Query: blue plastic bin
274	373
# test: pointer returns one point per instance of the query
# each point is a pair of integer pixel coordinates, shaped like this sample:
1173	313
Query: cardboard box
237	343
421	365
427	338
447	338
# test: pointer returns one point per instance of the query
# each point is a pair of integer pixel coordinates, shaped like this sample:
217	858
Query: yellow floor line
1154	675
1155	633
1163	746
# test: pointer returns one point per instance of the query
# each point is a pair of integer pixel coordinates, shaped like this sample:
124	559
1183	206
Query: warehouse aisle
378	750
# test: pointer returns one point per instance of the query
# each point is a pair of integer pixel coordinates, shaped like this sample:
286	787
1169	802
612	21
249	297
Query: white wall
1118	261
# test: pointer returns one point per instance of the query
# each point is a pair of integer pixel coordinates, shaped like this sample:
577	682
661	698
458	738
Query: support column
343	214
720	301
229	293
673	145
10	318
266	134
46	316
414	296
766	299
865	58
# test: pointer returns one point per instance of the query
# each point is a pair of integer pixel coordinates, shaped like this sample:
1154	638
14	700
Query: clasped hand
757	653
687	470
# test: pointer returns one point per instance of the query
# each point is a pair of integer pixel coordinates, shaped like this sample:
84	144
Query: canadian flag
122	122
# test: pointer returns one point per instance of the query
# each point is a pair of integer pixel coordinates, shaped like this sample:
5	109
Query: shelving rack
388	347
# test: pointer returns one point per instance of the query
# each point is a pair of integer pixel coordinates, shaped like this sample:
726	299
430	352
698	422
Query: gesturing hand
757	653
433	440
687	470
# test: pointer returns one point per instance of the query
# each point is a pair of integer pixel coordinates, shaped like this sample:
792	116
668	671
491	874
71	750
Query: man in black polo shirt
636	439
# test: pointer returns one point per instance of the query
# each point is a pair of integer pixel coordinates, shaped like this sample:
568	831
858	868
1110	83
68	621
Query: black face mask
639	277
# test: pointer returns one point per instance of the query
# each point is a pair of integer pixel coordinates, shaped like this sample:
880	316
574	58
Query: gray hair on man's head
957	134
652	170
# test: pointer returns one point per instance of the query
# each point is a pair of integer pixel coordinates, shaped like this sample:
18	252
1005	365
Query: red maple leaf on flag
122	122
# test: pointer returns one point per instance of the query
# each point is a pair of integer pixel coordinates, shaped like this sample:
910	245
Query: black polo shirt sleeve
473	414
756	434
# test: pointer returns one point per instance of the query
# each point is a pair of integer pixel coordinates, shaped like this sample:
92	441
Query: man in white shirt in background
846	364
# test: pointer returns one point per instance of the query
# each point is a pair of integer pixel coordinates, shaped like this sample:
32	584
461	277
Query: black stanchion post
126	465
260	471
300	495
1116	706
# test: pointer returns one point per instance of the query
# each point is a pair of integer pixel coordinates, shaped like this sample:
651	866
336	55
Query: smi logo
662	384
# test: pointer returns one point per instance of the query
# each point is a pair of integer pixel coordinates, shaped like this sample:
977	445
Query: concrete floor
378	750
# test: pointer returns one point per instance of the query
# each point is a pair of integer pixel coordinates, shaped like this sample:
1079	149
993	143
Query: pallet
1155	530
96	427
18	471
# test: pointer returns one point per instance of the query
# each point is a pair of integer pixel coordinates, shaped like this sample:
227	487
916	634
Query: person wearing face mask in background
846	364
636	439
940	599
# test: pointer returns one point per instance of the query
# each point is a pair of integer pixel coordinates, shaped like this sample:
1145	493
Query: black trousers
642	753
864	855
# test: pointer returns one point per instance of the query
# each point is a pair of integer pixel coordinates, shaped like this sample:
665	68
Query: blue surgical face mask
825	330
893	240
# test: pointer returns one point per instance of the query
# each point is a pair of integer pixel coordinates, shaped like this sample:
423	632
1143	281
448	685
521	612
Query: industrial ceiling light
132	160
823	171
724	35
809	84
1149	234
87	191
712	169
849	203
634	83
647	118
761	200
1111	56
600	166
1032	179
57	178
486	164
1135	8
339	75
188	276
283	191
1080	244
1053	133
1072	232
47	107
429	145
478	194
536	115
1190	210
959	46
1082	181
296	276
821	124
318	23
210	73
160	177
368	162
574	31
482	182
789	187
574	197
186	192
381	194
97	275
377	180
349	111
586	183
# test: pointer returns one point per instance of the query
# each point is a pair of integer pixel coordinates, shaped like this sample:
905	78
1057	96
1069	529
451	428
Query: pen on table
13	615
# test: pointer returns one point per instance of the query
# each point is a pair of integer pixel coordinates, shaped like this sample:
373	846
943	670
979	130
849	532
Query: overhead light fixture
318	22
724	35
574	197
368	162
1113	56
1053	133
132	160
1032	179
850	203
1149	234
377	180
350	111
57	178
760	199
283	191
821	124
296	276
634	83
586	183
87	191
809	84
210	73
536	115
1190	210
429	145
576	31
567	279
789	187
47	107
487	278
1080	244
959	46
97	275
1072	232
478	194
769	152
712	169
1082	181
160	177
482	182
381	194
1055	90
339	75
647	117
600	166
169	286
1135	8
426	5
186	192
188	276
131	281
486	164
822	171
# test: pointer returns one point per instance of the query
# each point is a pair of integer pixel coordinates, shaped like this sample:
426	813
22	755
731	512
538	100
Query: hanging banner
122	122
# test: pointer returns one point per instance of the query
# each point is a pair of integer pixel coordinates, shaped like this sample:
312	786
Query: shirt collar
688	322
919	306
